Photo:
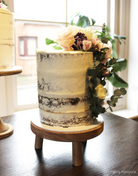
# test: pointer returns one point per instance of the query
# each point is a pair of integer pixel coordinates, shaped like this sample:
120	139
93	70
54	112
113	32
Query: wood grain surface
13	71
66	136
7	129
113	153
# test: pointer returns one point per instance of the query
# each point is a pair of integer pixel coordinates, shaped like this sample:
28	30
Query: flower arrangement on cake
104	67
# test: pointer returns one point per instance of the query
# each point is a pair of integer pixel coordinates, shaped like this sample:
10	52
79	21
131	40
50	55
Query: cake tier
63	90
6	17
63	74
6	39
64	105
66	119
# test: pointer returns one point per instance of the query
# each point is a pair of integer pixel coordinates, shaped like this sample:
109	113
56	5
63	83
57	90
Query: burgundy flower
79	37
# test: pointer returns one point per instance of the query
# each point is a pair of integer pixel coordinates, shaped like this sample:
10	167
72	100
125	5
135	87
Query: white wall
132	96
10	5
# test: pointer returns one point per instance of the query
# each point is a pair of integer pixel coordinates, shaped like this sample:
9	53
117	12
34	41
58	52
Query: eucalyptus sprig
114	98
106	36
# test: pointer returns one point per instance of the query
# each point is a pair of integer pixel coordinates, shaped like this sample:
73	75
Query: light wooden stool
76	135
6	129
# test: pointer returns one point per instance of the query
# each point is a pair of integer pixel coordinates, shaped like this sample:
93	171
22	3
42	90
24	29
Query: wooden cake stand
7	129
76	135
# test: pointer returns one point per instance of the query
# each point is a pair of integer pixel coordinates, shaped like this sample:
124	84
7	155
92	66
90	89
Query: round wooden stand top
73	134
13	71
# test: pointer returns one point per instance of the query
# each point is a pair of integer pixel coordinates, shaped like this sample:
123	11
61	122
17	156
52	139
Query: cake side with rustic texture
63	90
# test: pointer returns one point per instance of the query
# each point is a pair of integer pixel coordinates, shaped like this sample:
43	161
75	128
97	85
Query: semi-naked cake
6	38
63	90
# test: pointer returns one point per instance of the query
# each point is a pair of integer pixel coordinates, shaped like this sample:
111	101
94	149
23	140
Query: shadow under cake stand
76	135
7	129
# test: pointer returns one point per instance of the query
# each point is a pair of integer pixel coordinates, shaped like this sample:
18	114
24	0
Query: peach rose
86	45
96	43
93	41
66	37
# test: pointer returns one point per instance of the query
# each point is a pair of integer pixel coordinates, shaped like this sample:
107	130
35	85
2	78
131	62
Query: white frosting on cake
6	39
63	88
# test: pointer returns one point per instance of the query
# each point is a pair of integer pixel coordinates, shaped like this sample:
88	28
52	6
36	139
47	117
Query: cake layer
63	61
6	32
62	73
67	83
64	105
66	119
6	39
6	54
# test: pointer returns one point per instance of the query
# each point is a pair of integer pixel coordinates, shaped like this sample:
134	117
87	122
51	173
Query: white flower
89	33
100	91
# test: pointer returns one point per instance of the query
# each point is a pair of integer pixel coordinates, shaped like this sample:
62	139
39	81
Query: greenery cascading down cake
71	82
6	38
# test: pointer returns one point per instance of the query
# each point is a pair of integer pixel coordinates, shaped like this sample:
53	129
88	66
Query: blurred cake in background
6	38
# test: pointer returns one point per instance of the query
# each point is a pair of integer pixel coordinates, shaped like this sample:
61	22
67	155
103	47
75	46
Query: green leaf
114	99
73	18
107	29
103	110
103	82
92	72
123	91
120	65
116	81
111	61
114	53
104	39
49	41
4	2
117	92
57	47
93	21
94	100
83	21
119	38
95	81
111	103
